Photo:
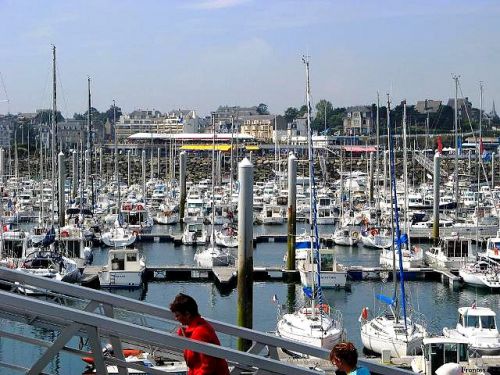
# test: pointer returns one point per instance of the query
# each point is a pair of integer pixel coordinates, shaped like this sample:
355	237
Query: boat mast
89	146
54	131
391	200
377	158
117	174
212	235
231	159
405	176
312	211
455	78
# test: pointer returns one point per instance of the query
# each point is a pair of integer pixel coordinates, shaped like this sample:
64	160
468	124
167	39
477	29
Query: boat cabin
440	350
476	317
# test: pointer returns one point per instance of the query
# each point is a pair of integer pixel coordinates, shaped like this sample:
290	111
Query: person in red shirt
195	327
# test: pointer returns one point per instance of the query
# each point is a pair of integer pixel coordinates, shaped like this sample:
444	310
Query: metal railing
97	317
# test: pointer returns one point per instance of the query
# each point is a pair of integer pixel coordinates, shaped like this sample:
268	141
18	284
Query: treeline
329	120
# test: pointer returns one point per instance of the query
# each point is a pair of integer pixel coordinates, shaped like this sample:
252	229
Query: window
488	322
132	257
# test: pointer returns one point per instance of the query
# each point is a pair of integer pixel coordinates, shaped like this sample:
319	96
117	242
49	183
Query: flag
474	304
440	144
275	299
481	146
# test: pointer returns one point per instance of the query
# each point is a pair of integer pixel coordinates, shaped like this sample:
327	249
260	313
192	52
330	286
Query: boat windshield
488	322
472	321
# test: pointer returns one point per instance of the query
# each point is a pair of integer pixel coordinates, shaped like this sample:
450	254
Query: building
297	128
146	121
263	127
6	131
464	108
358	120
428	106
225	115
71	133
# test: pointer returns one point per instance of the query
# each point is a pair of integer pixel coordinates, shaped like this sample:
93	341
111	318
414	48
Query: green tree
262	109
45	116
302	110
324	110
291	114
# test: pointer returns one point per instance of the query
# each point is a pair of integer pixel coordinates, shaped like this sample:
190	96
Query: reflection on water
435	301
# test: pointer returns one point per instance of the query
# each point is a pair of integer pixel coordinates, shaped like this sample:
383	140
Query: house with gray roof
358	120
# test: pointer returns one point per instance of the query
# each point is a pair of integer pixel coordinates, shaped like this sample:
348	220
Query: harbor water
433	301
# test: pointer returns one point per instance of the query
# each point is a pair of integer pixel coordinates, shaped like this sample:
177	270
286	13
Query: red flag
481	146
440	144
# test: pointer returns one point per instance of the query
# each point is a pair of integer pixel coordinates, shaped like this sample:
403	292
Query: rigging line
59	80
482	166
5	91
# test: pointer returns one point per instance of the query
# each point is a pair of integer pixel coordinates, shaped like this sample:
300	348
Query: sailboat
212	255
316	324
390	331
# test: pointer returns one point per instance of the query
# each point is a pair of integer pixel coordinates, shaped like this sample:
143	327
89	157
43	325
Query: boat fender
139	207
374	232
355	234
64	233
364	313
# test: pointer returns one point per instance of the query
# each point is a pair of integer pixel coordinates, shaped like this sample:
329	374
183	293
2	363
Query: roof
190	136
360	148
476	311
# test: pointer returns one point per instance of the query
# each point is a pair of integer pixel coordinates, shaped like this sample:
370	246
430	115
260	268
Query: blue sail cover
385	299
49	238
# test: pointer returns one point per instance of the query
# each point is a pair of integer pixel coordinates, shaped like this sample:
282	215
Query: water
434	300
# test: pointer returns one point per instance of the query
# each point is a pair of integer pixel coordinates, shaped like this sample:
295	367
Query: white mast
305	59
405	176
54	131
455	78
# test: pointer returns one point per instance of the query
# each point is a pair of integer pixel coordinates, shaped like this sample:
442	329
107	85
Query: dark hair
183	304
346	352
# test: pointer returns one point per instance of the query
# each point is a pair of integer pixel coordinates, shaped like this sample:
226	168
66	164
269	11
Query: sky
199	54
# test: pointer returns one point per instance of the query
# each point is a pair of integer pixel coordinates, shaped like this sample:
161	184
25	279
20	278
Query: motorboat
412	258
227	236
481	273
451	253
212	256
331	274
438	352
478	326
124	269
345	237
493	247
195	234
375	238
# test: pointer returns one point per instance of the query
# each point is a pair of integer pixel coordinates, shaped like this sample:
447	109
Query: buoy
364	313
64	233
139	207
374	232
135	233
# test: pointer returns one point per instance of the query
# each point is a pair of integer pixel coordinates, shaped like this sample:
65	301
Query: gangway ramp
74	311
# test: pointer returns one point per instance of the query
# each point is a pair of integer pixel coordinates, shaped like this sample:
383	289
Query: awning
360	148
206	147
252	148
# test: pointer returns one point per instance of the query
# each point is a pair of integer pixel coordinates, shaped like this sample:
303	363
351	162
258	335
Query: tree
291	113
324	110
45	116
109	114
302	110
262	109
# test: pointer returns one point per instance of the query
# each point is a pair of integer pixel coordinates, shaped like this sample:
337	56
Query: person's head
184	308
344	356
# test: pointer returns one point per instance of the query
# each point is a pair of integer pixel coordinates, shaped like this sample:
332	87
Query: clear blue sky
199	54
